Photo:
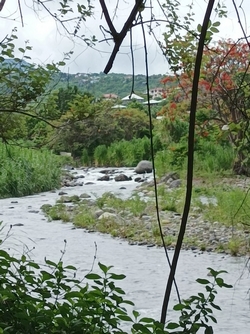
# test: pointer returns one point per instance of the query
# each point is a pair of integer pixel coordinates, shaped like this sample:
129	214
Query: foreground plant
49	298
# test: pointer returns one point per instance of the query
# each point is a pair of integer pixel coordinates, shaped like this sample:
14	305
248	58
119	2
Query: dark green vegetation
52	298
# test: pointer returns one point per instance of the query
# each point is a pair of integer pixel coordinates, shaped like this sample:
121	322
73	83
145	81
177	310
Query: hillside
100	83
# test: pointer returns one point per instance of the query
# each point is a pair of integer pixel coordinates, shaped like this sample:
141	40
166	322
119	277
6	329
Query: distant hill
113	83
99	83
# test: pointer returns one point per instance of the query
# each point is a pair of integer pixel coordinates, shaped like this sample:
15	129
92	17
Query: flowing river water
145	267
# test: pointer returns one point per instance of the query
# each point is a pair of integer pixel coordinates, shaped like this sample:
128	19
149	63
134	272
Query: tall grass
123	153
212	157
26	171
209	158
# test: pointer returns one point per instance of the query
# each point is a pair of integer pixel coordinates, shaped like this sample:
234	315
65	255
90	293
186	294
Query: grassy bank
217	221
27	171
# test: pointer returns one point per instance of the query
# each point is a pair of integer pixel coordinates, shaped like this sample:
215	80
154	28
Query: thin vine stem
190	162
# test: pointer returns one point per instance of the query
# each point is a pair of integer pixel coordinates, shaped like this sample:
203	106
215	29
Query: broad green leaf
93	276
70	267
172	325
213	29
179	307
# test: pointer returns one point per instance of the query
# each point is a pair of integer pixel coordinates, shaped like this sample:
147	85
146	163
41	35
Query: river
146	268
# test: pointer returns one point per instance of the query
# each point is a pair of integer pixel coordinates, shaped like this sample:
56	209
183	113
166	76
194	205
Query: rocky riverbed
141	225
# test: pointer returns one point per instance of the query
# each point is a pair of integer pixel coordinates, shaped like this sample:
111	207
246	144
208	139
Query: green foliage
232	207
197	310
89	124
27	171
51	298
213	158
100	155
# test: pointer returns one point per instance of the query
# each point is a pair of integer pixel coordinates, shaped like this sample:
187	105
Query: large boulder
144	166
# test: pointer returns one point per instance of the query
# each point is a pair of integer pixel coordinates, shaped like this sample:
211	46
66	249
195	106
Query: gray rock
109	209
144	166
85	195
175	184
122	177
76	177
138	179
104	178
169	177
107	215
62	193
98	213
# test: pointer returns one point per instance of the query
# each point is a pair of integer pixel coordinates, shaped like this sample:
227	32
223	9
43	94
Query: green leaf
199	27
172	325
50	263
147	320
117	277
73	294
93	276
179	307
209	330
141	329
104	268
70	267
46	275
125	318
21	50
213	29
202	281
217	307
136	313
216	24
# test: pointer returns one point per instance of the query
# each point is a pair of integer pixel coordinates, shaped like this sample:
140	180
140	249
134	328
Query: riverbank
134	218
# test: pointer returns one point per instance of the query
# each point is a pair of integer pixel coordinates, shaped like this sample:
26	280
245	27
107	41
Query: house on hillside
110	96
156	92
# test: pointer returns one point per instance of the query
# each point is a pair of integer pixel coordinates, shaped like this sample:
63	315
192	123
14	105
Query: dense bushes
27	171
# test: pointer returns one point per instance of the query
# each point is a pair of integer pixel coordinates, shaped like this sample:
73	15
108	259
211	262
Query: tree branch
2	4
118	37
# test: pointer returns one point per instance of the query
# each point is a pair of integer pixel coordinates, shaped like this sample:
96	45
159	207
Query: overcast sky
50	43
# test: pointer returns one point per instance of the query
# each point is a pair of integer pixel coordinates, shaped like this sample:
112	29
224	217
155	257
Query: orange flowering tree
223	99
